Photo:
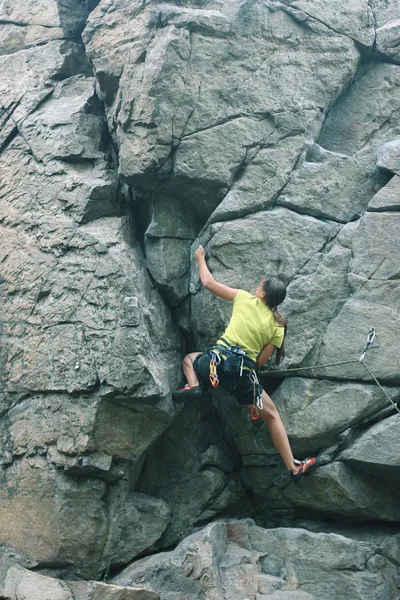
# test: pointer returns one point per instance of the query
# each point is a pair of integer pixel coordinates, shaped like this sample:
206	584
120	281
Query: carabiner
254	413
370	339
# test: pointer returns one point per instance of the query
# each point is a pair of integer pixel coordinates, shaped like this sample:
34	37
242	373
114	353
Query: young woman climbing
254	332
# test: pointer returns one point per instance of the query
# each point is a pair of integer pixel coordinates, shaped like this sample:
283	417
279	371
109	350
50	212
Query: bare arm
265	354
219	289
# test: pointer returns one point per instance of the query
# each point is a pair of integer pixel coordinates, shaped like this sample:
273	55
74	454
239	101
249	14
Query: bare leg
271	417
188	369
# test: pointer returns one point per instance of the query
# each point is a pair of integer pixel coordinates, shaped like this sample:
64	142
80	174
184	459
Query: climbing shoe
305	466
189	391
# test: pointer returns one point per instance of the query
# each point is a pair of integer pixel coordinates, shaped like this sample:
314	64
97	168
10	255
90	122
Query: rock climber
256	329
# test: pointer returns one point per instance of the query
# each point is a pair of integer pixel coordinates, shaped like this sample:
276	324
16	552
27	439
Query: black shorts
239	386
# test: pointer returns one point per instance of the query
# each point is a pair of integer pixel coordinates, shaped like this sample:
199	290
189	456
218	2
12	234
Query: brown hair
275	291
282	320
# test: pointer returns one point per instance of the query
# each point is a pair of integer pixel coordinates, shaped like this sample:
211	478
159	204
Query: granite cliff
130	132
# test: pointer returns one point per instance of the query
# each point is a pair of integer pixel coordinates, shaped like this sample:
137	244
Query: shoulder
242	296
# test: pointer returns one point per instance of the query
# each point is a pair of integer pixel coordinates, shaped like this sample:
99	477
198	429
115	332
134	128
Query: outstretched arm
219	289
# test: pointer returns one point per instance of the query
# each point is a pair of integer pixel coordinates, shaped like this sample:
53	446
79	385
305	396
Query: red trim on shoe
187	387
305	466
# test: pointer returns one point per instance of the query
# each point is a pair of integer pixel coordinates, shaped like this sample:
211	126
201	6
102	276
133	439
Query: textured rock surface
376	450
18	583
89	353
130	132
237	559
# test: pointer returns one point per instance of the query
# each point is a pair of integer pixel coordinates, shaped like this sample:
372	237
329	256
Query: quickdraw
370	339
214	362
257	398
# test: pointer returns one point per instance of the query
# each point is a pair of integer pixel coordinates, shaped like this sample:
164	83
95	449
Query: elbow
208	283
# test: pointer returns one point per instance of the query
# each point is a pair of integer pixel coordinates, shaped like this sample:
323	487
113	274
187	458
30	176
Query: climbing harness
235	362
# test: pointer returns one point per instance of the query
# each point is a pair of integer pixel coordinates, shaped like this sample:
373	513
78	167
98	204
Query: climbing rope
370	339
379	385
346	362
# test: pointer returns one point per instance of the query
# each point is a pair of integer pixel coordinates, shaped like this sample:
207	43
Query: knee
189	358
270	414
269	409
187	361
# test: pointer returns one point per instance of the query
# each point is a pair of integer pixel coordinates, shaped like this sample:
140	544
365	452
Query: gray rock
387	198
315	412
65	126
79	421
237	559
221	116
36	69
355	20
391	549
388	156
368	108
56	519
94	590
168	261
217	114
385	11
38	22
375	451
338	489
189	469
277	242
136	522
372	277
315	296
333	186
387	40
18	583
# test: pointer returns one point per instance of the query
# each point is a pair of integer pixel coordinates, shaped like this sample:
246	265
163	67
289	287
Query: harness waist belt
247	362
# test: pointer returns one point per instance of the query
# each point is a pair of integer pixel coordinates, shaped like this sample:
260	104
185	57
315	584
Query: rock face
130	132
237	559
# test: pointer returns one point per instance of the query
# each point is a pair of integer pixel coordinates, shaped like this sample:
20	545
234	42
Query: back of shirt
252	325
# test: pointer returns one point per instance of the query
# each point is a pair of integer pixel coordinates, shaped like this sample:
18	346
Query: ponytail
282	320
275	293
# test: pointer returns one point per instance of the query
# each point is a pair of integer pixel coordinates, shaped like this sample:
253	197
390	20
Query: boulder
94	590
230	107
388	156
373	277
331	185
367	109
237	559
314	412
18	583
190	468
387	40
375	451
355	20
337	489
55	519
387	198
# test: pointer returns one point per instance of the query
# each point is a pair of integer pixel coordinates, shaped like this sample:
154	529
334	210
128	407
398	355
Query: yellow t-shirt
252	325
